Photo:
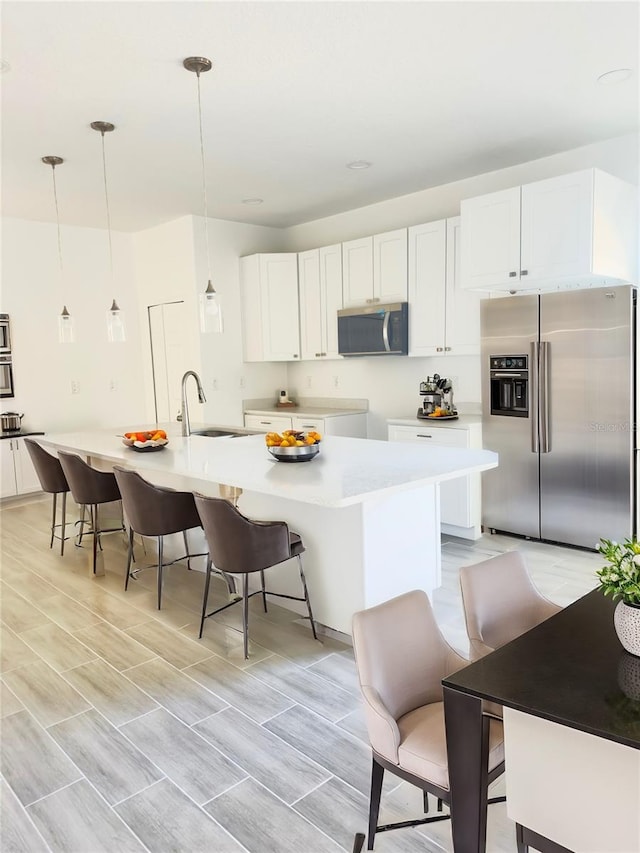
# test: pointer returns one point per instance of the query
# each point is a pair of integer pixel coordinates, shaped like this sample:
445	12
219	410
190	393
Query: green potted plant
620	578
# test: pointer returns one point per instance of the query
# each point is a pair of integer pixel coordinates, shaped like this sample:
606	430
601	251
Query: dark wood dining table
567	671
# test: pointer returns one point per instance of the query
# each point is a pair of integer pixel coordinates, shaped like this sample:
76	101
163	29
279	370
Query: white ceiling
429	92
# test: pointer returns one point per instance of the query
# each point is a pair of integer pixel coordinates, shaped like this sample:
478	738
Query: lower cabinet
353	426
460	509
17	474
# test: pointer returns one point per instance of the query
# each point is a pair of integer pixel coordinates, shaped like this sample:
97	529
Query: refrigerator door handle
533	398
545	444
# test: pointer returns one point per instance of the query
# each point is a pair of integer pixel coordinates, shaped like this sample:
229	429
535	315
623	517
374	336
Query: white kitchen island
368	511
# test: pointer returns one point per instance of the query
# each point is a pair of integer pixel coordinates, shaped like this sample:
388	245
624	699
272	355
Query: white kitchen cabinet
320	289
375	269
351	425
459	499
576	229
443	318
269	296
17	474
267	423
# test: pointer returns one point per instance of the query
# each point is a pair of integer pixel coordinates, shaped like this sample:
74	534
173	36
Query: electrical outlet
112	385
308	382
336	381
75	386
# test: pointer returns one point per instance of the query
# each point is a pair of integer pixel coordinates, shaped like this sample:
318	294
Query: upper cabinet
269	295
374	269
443	318
320	285
574	229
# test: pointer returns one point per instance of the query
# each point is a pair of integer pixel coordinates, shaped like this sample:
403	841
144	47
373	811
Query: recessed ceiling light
4	66
618	75
255	201
359	164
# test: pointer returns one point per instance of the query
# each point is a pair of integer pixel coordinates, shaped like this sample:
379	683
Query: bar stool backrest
154	510
238	544
88	485
48	468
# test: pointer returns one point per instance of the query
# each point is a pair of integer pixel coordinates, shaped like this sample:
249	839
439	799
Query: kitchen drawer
305	424
436	435
266	423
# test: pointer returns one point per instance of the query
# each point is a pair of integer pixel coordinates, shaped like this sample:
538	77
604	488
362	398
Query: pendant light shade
65	320
115	323
210	307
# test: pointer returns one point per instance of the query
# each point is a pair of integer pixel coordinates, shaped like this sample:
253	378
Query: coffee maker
437	398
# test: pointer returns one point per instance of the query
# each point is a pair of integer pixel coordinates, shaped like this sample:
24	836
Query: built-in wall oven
6	376
5	335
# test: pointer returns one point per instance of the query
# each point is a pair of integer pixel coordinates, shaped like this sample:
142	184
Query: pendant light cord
55	198
204	182
106	196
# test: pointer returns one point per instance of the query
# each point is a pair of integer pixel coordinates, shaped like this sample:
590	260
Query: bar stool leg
306	598
245	614
264	592
94	525
160	544
186	548
81	522
53	520
64	522
425	802
205	597
129	559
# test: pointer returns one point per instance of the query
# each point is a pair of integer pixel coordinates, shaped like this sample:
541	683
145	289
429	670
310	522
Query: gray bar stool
155	511
91	488
238	545
53	481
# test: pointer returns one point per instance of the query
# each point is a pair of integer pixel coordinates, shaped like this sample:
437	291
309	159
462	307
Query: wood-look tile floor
122	732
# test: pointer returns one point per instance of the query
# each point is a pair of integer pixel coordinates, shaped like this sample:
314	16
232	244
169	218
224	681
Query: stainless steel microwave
374	330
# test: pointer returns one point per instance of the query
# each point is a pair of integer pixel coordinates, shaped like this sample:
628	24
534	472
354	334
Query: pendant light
115	323
210	308
65	320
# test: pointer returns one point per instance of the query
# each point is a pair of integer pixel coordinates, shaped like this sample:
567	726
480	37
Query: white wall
171	264
33	295
391	384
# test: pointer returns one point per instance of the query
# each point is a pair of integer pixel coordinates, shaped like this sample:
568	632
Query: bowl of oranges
145	440
293	445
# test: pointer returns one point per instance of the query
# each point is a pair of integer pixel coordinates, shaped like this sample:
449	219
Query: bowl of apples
145	441
293	445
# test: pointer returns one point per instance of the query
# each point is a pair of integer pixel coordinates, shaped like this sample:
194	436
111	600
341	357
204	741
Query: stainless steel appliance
558	407
374	330
5	335
6	376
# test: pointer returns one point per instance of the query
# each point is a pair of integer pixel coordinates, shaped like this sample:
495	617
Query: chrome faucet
186	424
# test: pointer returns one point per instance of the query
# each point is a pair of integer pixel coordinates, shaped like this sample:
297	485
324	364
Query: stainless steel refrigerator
558	406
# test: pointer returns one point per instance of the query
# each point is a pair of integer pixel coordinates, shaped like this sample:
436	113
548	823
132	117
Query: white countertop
346	471
304	412
463	422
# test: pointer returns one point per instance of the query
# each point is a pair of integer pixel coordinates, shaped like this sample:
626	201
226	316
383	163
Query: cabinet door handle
524	272
295	355
266	423
513	274
447	349
309	426
318	354
369	301
323	353
376	299
439	349
421	435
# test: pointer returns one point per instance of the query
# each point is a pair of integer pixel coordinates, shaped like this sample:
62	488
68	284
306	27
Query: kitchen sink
216	433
